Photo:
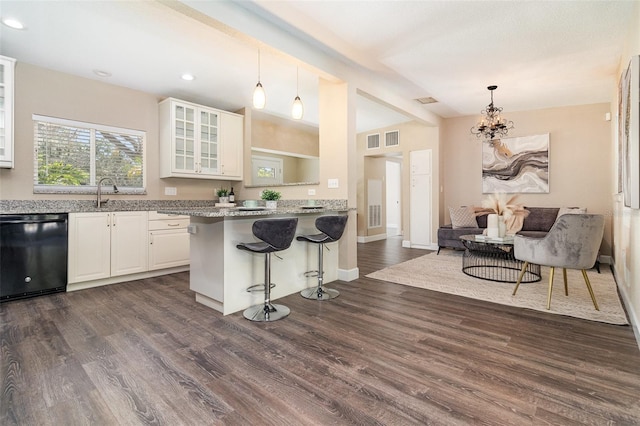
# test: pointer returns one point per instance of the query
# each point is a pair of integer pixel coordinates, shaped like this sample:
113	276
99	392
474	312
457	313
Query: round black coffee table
493	260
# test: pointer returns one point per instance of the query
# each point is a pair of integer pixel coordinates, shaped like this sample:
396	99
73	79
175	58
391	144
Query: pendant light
259	97
298	109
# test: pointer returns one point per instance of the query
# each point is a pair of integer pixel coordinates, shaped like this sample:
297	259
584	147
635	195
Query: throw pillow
462	217
571	210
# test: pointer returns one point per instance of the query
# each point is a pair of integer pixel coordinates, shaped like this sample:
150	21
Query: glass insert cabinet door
209	142
196	140
184	128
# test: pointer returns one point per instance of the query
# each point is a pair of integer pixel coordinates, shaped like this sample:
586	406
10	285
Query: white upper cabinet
6	111
232	128
199	142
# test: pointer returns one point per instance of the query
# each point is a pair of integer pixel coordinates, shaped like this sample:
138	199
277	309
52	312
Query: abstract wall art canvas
516	165
629	134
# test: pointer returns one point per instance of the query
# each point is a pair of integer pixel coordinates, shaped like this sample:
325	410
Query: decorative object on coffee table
505	215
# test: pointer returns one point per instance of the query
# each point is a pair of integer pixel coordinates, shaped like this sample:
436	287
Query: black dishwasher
33	255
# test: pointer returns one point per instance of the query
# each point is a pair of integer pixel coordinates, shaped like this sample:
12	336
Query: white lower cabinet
103	245
168	241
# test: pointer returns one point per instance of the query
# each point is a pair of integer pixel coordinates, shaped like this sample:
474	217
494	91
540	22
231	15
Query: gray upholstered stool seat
275	235
331	228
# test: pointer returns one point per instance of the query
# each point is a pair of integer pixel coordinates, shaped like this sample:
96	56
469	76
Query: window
266	170
72	156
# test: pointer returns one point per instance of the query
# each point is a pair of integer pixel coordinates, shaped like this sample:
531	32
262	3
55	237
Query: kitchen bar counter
221	273
242	212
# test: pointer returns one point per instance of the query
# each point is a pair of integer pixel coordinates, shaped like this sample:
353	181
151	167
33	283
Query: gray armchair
573	242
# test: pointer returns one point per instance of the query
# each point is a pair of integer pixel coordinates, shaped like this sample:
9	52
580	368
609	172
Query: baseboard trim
633	320
605	259
209	302
371	238
407	244
124	278
348	274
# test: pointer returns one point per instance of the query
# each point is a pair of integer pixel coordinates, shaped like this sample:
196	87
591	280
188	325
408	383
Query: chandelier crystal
492	124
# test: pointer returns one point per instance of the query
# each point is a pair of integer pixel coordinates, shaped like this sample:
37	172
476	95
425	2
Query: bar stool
331	228
275	235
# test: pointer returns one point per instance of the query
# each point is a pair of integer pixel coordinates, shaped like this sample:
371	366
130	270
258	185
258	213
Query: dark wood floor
145	353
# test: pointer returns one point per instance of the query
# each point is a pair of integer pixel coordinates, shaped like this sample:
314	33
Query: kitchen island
221	273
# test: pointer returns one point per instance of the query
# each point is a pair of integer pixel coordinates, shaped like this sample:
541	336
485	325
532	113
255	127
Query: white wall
626	222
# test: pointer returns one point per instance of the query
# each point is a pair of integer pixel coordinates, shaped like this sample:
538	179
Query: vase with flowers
505	216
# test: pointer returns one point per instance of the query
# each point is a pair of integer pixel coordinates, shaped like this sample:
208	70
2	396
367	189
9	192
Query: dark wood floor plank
145	352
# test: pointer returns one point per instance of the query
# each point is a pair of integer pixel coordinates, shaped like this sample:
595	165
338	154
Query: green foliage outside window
78	154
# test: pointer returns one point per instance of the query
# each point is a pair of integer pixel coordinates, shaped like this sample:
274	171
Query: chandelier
492	124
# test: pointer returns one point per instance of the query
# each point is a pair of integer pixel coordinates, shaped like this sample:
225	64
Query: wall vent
374	203
375	216
392	138
373	141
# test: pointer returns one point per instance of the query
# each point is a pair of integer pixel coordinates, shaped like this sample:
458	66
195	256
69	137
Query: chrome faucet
99	200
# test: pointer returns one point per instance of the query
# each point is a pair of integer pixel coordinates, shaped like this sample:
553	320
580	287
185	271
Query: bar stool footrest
258	287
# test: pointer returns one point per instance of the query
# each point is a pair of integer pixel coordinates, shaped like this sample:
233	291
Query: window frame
92	188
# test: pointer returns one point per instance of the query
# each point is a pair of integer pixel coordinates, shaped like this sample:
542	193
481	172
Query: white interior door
420	193
394	194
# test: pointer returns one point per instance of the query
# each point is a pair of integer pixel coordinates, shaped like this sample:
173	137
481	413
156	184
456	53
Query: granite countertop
205	208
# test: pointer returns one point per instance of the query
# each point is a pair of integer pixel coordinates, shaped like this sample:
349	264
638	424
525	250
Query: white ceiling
540	54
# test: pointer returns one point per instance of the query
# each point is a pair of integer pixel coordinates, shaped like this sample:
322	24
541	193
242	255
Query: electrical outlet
311	192
170	190
333	183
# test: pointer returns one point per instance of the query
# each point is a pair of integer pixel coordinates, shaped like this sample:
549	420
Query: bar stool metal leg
320	292
268	311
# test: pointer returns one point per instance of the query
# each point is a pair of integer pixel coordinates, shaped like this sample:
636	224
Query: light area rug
443	273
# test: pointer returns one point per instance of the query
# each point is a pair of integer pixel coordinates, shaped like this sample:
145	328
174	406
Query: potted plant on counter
223	195
271	198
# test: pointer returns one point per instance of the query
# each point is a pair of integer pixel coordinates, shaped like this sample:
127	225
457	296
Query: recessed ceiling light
13	23
101	73
187	77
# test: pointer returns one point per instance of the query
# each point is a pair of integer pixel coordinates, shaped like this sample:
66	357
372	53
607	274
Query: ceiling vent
427	100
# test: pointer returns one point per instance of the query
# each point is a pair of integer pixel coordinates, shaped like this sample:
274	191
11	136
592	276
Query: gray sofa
537	224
